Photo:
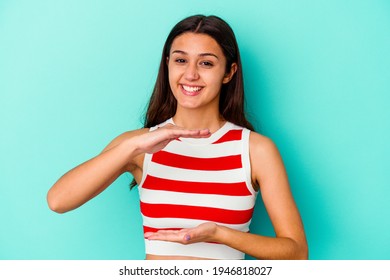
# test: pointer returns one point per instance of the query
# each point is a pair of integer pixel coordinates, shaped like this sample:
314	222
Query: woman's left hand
203	233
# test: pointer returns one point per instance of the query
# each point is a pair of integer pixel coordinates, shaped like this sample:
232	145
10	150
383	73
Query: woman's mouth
191	90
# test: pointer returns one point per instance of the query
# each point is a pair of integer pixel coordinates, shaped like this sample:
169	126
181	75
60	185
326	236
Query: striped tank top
192	181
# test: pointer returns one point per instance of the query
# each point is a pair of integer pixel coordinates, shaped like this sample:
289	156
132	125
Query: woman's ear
228	76
167	60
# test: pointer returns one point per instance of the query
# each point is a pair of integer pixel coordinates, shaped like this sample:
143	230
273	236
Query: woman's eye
180	60
206	63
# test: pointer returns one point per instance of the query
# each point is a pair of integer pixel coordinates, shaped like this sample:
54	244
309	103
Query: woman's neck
195	119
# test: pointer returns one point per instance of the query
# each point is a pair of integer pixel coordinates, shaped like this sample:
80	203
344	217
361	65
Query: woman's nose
191	72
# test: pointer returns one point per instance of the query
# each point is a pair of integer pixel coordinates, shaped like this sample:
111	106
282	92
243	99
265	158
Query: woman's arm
90	178
269	173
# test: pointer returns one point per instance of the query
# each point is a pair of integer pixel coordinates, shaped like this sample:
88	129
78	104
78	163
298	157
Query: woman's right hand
156	140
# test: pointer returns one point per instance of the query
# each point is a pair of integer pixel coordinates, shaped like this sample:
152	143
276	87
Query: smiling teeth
191	89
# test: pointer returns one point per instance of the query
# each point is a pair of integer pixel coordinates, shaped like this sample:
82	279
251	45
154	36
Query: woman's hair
162	105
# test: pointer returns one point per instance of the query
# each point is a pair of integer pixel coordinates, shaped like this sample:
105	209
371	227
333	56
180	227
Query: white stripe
173	173
217	150
145	167
201	250
246	163
201	200
187	223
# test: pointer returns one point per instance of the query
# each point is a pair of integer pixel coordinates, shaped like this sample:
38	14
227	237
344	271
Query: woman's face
196	67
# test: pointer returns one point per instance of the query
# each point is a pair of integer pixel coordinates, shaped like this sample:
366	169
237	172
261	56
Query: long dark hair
162	104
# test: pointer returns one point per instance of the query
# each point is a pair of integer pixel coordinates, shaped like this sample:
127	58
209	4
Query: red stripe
150	229
231	135
196	213
161	184
186	162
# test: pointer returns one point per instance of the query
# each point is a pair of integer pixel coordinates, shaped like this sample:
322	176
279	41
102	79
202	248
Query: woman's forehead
195	44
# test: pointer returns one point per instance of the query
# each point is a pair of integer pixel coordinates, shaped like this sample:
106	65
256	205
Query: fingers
186	133
202	233
176	132
179	237
166	235
156	140
148	234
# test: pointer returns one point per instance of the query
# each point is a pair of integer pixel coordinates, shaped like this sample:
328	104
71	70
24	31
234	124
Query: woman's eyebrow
201	54
209	54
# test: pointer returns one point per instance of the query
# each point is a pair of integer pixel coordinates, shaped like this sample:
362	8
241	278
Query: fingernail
187	237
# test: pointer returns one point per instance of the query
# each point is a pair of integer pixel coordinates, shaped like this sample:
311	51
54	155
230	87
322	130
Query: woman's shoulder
264	156
261	146
260	139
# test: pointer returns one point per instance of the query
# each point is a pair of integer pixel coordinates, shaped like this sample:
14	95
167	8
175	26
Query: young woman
198	163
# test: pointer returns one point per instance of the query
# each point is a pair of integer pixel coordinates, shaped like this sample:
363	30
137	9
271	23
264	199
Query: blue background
75	74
